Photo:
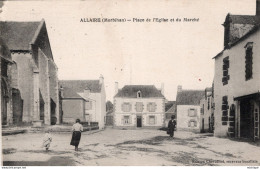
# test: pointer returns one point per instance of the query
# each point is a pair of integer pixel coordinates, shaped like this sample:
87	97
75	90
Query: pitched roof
172	109
130	91
18	35
189	97
244	19
169	104
71	88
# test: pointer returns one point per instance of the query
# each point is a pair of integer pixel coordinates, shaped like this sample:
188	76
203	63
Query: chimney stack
179	88
162	88
101	79
116	88
61	92
258	7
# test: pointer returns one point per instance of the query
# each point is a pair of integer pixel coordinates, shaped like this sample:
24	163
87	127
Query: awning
250	96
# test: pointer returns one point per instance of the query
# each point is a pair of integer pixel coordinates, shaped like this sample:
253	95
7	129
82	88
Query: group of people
77	128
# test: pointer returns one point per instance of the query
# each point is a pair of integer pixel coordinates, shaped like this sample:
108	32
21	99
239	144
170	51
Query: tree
109	107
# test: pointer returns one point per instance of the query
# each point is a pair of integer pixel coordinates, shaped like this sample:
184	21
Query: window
208	103
226	76
126	107
225	108
151	119
139	94
126	120
202	110
88	105
249	61
192	112
192	123
139	106
151	107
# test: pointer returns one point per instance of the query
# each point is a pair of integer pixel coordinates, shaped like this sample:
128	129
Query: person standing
171	126
77	128
47	139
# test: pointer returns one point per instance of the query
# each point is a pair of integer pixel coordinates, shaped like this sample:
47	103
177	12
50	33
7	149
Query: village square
43	116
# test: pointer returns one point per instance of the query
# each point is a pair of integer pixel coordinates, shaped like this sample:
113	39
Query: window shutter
155	119
189	124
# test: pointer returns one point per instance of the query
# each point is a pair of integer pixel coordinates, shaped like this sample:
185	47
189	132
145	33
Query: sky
150	53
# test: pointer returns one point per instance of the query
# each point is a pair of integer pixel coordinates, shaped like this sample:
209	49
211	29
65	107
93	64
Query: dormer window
139	94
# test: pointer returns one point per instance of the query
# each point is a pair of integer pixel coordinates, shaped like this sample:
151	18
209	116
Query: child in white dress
47	139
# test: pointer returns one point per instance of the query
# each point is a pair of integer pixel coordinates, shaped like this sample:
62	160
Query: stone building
237	78
188	108
84	100
6	88
139	106
207	112
34	72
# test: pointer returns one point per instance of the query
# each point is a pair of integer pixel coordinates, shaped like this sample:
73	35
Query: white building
188	108
139	106
237	78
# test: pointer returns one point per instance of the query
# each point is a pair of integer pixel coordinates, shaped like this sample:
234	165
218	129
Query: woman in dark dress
77	128
171	126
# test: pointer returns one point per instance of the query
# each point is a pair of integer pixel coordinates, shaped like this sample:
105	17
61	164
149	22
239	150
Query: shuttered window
192	112
152	120
126	107
226	76
139	106
249	63
151	107
224	108
126	120
192	123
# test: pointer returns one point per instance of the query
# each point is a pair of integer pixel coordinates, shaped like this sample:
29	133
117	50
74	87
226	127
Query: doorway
247	119
202	127
139	121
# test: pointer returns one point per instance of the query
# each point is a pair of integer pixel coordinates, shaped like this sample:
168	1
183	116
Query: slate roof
244	19
130	91
172	109
18	35
190	97
71	88
4	50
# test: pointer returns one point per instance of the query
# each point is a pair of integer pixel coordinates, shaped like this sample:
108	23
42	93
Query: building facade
207	112
139	106
188	108
237	78
84	100
6	88
34	72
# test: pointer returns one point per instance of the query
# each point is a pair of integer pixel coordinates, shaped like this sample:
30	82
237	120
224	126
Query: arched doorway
4	100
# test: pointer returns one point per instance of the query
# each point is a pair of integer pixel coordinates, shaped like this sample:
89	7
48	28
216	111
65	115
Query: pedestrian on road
47	139
171	126
77	128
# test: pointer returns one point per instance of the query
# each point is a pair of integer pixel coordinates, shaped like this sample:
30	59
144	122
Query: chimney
116	88
179	88
101	79
258	7
162	88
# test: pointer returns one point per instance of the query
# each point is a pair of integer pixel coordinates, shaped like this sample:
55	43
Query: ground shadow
54	161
